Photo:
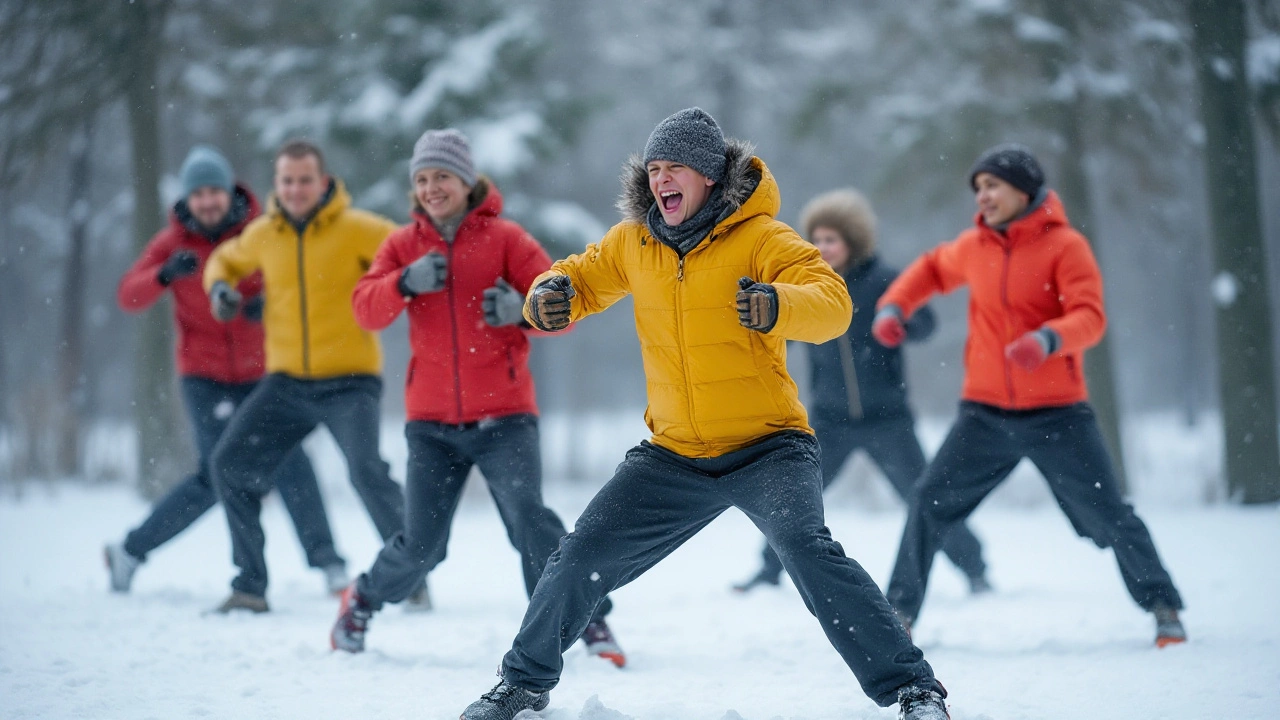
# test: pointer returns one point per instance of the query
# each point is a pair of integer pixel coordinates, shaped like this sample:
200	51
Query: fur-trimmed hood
847	212
744	175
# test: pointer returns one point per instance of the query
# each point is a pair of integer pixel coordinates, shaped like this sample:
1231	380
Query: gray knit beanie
690	137
1013	164
205	167
446	149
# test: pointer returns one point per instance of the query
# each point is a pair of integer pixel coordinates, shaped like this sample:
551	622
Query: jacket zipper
1008	314
453	325
302	304
853	393
684	364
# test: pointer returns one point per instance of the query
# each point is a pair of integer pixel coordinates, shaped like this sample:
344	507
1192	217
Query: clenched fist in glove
757	305
1031	350
502	304
887	327
424	275
224	301
179	265
549	303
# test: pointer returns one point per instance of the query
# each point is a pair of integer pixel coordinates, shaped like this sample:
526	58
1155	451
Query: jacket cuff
404	290
890	310
1049	339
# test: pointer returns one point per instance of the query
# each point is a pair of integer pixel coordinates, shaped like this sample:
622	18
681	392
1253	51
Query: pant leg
208	406
781	492
837	443
894	446
300	492
650	507
1072	456
978	454
350	408
435	477
270	424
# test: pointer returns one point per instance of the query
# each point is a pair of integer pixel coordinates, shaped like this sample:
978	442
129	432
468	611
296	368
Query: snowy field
1059	638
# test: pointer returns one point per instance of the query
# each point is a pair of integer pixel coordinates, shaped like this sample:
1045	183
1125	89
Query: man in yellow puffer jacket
719	287
312	247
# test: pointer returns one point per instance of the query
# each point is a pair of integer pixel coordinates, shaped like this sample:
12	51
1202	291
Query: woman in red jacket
1035	306
461	272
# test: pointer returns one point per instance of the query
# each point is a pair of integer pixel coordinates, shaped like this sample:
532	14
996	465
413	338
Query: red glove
1029	351
888	329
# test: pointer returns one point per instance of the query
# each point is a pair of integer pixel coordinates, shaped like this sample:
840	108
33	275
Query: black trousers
983	447
273	420
507	452
894	447
210	405
657	500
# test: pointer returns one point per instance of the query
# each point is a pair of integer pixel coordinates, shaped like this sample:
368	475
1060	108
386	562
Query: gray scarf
684	237
448	228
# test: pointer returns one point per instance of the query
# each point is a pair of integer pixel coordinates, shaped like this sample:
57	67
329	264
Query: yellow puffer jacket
713	385
310	327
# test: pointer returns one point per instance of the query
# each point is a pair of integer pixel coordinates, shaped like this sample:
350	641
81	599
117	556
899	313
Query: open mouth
671	201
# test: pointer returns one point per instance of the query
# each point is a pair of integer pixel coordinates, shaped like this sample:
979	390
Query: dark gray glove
253	307
757	305
179	265
224	301
503	305
549	303
424	275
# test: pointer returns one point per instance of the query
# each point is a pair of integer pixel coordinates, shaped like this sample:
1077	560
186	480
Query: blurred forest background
1157	120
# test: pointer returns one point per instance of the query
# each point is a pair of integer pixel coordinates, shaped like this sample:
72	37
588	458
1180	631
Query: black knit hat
690	137
1013	164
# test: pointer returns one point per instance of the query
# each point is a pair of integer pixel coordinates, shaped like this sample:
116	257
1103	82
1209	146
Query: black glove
252	310
179	265
224	301
549	303
757	305
503	305
424	275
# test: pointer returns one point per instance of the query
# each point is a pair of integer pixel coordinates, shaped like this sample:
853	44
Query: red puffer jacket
462	370
1039	273
226	352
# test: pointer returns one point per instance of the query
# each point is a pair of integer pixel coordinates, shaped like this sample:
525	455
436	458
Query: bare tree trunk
71	386
1246	368
161	444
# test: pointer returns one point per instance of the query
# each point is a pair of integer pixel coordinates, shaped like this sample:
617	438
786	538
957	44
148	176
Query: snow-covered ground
1059	638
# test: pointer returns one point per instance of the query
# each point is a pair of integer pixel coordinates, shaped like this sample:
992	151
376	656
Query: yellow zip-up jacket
309	276
713	385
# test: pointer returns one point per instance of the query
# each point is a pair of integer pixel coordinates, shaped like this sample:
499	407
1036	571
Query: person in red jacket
461	272
1035	306
219	363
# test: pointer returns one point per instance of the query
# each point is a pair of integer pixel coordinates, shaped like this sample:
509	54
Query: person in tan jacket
311	247
719	286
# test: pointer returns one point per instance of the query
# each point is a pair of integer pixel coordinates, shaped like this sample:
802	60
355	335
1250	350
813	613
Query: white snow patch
1156	31
1029	28
570	220
376	103
501	146
1226	288
1264	60
204	81
1223	68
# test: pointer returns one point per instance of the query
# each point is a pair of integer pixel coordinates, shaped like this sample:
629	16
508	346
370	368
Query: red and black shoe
353	622
1169	630
601	643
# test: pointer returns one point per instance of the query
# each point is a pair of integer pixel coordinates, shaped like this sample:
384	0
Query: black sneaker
242	601
352	624
978	585
1169	630
504	702
917	703
764	577
601	643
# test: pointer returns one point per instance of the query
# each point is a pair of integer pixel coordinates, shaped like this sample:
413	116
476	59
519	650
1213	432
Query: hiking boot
978	585
504	702
242	601
1169	630
601	643
121	566
917	703
335	579
764	577
419	601
352	624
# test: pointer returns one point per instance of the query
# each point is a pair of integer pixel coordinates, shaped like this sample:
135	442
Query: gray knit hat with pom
446	149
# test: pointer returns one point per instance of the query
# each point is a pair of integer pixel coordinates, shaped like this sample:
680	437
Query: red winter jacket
226	352
462	370
1039	273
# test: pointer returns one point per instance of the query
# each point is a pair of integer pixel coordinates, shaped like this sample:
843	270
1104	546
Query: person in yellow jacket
311	247
719	286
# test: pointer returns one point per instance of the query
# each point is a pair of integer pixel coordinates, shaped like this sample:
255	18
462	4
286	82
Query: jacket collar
244	207
336	200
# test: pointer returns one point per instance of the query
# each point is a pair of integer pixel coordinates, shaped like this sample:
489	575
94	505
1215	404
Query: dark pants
657	500
274	419
983	447
440	456
210	405
894	447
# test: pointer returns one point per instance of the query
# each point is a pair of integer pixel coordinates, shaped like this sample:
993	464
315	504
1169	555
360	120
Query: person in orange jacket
1035	306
